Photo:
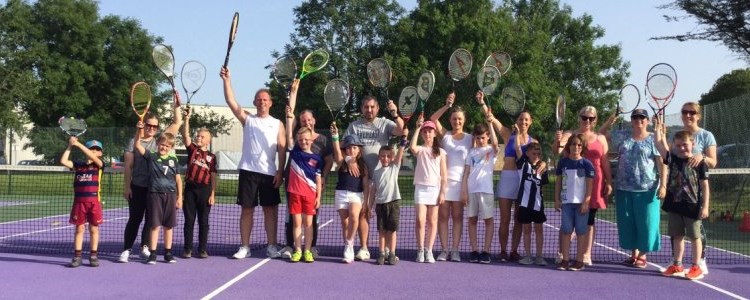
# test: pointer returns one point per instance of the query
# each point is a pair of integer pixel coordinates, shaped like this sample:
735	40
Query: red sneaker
695	273
674	270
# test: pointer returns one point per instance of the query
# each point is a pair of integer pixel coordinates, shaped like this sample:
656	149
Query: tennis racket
514	101
407	103
425	86
661	82
164	61
560	111
336	95
284	71
72	126
459	65
488	79
232	36
140	98
315	61
192	76
500	60
630	98
379	75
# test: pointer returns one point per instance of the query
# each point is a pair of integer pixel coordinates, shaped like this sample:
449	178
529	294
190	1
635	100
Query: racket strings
164	59
425	85
379	73
459	65
315	61
488	79
408	101
336	95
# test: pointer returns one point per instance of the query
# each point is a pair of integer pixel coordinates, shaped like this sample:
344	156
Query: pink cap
429	124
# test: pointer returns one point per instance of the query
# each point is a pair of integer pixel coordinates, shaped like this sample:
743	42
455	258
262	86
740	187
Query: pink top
595	153
427	170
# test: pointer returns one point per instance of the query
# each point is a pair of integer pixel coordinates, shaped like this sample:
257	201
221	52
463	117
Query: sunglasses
590	119
638	117
689	112
151	126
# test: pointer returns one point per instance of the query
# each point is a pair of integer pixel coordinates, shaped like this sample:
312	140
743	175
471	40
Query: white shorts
344	198
507	187
453	191
426	194
481	205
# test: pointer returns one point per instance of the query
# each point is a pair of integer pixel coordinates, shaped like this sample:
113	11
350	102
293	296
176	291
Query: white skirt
426	194
507	187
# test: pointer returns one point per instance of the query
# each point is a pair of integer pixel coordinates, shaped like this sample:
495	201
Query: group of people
453	176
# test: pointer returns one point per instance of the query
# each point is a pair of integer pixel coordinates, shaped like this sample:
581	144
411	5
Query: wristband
335	138
348	159
403	143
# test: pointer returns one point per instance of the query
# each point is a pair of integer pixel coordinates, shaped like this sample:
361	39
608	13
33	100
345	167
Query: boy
164	194
530	202
479	197
687	199
87	206
387	195
200	186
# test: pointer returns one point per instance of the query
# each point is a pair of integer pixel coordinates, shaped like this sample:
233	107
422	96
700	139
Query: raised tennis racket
336	95
661	82
425	86
500	60
459	65
315	61
514	101
488	79
379	75
408	102
140	98
192	76
630	98
284	72
72	126
164	61
232	36
560	110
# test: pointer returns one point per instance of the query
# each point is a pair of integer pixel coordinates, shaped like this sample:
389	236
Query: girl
429	185
350	190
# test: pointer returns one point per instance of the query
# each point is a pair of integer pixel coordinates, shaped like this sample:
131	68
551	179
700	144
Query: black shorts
388	216
592	216
525	215
255	189
163	208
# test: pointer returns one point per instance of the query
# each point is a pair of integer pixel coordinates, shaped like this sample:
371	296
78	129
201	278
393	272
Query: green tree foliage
728	86
16	57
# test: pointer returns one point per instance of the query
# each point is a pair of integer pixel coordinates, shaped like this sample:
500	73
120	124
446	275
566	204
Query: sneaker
151	259
392	259
674	270
169	258
704	267
526	261
203	254
296	256
455	256
503	256
579	265
363	254
443	256
145	253
286	252
540	261
308	256
420	255
474	256
640	263
484	257
272	251
563	265
381	259
243	252
587	260
428	258
315	252
124	256
694	273
514	257
75	262
348	254
187	253
94	261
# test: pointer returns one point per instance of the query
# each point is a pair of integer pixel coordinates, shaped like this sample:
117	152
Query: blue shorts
573	219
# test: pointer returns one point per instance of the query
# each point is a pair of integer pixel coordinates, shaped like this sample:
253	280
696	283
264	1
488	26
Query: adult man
263	142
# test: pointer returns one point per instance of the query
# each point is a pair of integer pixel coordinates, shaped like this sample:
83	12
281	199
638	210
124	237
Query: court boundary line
67	226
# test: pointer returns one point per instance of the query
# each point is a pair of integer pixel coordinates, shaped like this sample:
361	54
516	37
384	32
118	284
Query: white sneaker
243	252
703	266
540	261
363	254
420	255
348	254
145	253
272	251
286	252
428	258
443	256
124	256
559	258
315	252
455	256
526	261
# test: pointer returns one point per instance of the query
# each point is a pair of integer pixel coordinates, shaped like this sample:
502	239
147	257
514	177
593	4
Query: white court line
713	287
51	229
247	272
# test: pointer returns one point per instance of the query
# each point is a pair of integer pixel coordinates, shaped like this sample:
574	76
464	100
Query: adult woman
638	206
507	188
597	154
456	145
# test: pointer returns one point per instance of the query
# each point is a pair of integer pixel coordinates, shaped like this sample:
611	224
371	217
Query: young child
350	190
687	199
478	196
430	181
530	203
304	187
572	196
200	186
87	206
387	196
164	194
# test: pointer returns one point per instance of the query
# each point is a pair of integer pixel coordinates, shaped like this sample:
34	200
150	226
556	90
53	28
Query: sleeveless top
595	154
259	142
510	148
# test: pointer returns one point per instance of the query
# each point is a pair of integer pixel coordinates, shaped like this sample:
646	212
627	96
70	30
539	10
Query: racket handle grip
226	60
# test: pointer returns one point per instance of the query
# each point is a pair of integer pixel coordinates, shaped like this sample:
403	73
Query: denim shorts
573	219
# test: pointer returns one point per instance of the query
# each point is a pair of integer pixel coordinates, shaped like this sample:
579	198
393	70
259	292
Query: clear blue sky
198	31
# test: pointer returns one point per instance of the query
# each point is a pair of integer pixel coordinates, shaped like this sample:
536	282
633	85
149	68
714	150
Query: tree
722	21
734	84
16	76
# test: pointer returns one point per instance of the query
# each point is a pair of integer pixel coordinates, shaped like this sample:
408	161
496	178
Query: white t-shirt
386	183
259	143
481	164
455	152
427	170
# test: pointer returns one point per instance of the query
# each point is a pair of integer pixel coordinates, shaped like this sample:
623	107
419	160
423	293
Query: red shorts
83	212
299	204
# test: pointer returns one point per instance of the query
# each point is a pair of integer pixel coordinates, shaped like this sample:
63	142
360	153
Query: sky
198	30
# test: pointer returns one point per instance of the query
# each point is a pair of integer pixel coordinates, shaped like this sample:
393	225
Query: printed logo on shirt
84	177
312	162
209	158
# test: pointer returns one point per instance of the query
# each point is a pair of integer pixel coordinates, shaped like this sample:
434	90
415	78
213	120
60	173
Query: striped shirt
86	184
530	191
200	165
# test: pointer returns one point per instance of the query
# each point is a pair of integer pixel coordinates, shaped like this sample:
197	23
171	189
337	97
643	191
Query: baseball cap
429	124
350	140
94	143
639	112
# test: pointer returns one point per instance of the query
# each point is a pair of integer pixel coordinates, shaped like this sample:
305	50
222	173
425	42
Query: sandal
640	263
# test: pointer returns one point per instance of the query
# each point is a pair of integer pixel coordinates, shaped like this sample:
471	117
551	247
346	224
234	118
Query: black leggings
137	210
196	204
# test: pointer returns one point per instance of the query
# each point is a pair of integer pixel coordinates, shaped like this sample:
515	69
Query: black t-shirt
684	193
